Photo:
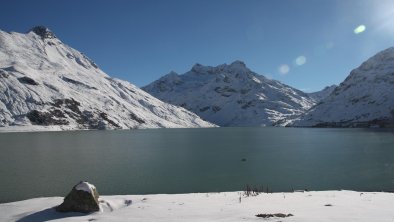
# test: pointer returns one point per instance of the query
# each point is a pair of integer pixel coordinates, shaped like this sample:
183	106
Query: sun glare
382	16
359	29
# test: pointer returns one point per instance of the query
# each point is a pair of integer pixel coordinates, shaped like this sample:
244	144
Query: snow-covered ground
304	206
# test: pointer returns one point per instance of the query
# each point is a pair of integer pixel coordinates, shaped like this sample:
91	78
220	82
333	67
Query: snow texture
320	206
231	95
85	186
46	84
364	99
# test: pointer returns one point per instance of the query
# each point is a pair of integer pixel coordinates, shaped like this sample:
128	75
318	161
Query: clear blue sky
140	41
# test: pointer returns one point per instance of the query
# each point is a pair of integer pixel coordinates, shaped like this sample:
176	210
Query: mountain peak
43	31
199	68
238	63
197	65
172	73
238	67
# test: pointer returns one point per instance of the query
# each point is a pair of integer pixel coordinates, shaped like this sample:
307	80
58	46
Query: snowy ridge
44	82
364	99
231	95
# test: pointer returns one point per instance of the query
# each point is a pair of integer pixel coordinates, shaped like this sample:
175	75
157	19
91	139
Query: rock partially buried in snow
83	198
279	215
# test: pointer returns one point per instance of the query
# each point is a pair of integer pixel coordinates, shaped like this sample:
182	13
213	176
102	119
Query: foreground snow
305	206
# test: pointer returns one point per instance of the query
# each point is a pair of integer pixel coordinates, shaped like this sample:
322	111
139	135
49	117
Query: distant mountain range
231	95
44	82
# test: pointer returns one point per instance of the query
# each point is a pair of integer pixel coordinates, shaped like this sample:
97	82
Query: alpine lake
150	161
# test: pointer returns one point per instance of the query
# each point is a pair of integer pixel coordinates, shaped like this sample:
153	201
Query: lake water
195	160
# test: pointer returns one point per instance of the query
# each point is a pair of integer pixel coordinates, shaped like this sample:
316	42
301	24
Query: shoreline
225	206
39	128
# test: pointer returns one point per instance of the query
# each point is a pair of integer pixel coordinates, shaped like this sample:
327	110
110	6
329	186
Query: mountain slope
322	94
231	95
364	99
45	82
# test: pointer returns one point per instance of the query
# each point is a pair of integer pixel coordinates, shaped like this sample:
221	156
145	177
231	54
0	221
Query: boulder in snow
83	198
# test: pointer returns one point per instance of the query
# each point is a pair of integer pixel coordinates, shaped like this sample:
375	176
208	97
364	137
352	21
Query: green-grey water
195	160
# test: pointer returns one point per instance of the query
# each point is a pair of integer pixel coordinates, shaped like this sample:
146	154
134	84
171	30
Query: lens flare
359	29
284	69
300	60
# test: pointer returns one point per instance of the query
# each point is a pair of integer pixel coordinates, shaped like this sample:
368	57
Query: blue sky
140	41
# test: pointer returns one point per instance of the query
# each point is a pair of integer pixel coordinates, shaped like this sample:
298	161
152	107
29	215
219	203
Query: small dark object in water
274	215
243	159
328	205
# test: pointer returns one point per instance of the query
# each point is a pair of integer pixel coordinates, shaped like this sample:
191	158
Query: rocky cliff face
45	82
231	95
364	99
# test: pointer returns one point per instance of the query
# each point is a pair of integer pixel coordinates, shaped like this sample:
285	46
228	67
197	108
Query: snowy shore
226	206
34	128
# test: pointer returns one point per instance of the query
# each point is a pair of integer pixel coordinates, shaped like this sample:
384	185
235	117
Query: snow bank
307	206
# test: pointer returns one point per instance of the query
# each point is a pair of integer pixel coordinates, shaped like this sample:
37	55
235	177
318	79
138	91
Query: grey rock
43	32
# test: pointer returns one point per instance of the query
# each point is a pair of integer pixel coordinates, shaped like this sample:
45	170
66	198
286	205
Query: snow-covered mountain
231	95
45	82
364	99
322	94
